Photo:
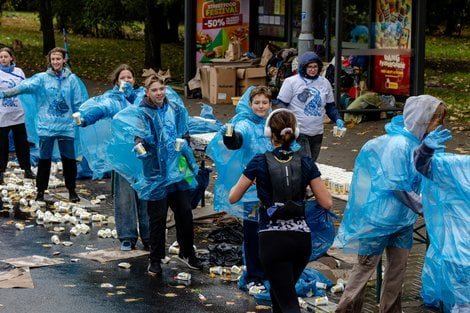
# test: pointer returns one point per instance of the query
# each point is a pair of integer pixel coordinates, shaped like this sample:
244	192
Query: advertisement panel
218	22
393	31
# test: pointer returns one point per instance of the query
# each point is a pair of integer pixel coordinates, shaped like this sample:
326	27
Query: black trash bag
224	254
202	178
232	234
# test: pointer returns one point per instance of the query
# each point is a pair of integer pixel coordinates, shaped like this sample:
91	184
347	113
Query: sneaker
29	174
154	268
73	197
192	262
126	245
255	289
40	196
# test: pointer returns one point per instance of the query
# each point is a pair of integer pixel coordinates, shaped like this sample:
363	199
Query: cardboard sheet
111	254
16	278
34	261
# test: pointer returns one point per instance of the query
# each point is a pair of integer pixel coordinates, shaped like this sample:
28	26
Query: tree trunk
152	37
47	27
174	15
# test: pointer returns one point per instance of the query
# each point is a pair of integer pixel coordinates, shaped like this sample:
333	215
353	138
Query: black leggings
21	146
284	255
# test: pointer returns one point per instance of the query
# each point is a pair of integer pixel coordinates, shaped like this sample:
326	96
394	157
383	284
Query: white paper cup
229	130
179	144
77	118
140	149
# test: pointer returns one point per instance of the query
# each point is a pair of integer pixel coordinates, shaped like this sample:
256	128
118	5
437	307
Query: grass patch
447	72
92	58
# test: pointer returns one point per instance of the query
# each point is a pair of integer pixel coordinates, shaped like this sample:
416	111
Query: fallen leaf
169	295
121	287
106	285
180	286
133	299
120	292
229	303
109	294
324	148
98	271
354	150
262	307
208	304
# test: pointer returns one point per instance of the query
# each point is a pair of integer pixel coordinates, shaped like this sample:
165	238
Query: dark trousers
254	269
20	139
67	153
284	255
180	204
310	145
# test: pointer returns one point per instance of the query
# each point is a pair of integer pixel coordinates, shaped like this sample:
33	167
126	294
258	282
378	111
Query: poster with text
219	22
393	31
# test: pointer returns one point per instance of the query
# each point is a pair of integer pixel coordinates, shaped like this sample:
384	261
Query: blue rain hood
307	58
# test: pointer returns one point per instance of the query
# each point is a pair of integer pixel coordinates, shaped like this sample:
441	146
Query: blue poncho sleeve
384	164
96	114
446	204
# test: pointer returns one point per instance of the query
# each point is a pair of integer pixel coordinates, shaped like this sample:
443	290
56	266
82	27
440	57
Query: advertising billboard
218	22
393	31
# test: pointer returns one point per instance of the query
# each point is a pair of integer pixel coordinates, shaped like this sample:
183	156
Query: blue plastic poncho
231	163
49	101
446	207
97	113
372	213
163	168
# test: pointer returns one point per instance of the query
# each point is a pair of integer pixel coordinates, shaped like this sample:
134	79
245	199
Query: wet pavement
76	286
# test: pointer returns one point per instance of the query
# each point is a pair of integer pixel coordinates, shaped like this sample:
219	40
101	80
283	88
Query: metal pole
306	29
418	64
328	31
338	48
189	41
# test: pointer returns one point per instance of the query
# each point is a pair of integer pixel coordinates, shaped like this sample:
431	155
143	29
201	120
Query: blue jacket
52	101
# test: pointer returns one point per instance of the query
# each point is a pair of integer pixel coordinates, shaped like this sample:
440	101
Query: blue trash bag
205	123
304	286
83	169
202	179
322	228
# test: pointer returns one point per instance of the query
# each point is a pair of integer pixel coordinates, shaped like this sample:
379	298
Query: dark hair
10	52
260	90
280	121
56	50
438	117
114	77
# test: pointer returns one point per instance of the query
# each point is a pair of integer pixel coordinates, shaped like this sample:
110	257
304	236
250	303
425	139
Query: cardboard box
250	76
204	76
222	85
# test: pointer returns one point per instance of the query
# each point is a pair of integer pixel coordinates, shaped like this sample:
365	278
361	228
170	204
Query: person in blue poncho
166	167
380	212
282	177
12	116
58	93
230	155
95	116
309	96
446	204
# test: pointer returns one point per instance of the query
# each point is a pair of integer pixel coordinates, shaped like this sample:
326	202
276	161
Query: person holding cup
94	116
56	94
231	149
166	169
12	116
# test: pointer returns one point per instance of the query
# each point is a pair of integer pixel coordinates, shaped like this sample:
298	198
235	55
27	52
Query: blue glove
437	137
340	123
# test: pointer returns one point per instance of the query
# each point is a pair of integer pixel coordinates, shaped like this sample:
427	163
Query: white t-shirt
307	99
11	110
